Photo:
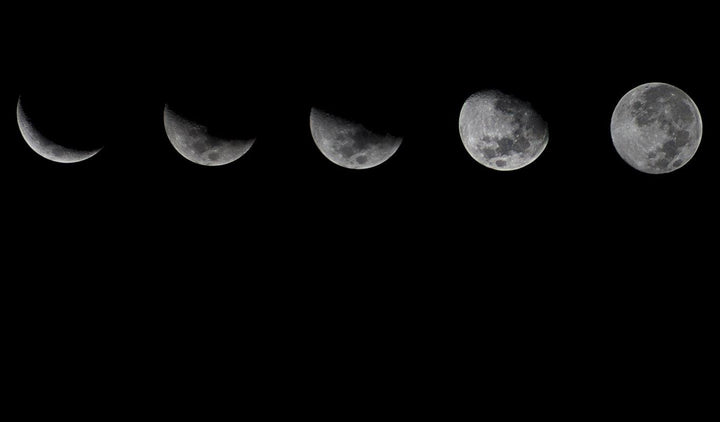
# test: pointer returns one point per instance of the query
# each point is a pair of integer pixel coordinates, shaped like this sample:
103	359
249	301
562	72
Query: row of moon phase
655	128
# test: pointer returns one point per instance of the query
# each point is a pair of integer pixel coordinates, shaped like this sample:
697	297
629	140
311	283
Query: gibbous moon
656	128
45	147
500	131
193	141
349	144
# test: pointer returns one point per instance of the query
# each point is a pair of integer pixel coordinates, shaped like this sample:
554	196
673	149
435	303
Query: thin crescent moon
44	146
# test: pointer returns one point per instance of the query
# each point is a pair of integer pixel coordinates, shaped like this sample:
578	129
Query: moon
350	144
500	131
656	128
193	141
45	147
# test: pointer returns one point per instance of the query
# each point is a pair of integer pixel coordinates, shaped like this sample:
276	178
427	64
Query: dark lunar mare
523	117
654	106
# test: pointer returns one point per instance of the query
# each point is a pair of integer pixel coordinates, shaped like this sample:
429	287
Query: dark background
575	247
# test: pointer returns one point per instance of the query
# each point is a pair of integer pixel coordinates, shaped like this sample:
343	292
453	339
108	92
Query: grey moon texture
656	128
193	141
45	147
500	131
349	144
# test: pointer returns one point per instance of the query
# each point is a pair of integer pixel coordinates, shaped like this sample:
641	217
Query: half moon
350	144
44	146
192	141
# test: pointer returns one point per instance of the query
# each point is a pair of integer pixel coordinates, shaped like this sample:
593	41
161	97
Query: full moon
45	147
656	128
193	141
349	144
500	131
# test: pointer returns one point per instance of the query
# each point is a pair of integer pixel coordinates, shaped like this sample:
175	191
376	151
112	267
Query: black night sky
578	238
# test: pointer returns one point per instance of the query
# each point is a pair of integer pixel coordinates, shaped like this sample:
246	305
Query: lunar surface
349	144
500	131
656	128
193	141
45	147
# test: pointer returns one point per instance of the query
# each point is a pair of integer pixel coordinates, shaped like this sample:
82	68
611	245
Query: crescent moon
44	146
193	141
